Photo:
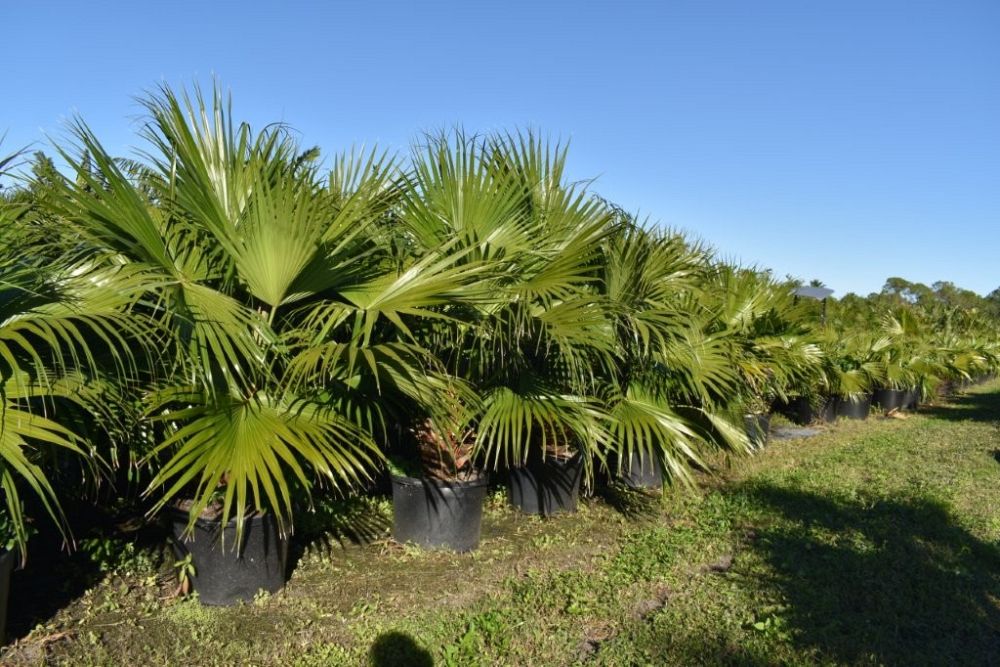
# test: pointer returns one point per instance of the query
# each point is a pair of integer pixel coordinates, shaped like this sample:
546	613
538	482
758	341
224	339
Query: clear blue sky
842	140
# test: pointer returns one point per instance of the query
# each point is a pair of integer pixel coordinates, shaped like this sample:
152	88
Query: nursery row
219	328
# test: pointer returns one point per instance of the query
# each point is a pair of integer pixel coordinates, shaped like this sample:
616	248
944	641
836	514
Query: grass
872	543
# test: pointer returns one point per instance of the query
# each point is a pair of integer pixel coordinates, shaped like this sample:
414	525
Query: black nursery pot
758	426
802	411
827	410
438	514
225	575
642	472
7	559
911	399
855	407
889	399
548	487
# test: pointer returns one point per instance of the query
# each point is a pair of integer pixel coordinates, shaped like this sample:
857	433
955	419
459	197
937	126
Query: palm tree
772	346
527	346
665	397
286	317
61	321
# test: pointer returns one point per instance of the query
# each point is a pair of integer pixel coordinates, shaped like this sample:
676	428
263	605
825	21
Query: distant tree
993	303
904	290
792	281
956	297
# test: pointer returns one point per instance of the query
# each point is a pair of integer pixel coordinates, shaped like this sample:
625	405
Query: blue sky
846	141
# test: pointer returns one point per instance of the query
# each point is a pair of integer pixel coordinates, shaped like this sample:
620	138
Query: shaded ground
869	543
793	432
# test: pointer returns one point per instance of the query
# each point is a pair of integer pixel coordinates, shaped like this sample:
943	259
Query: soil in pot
889	399
641	472
758	427
7	559
854	407
436	513
226	573
547	487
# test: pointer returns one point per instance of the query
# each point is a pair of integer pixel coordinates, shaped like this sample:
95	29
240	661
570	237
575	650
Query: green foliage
185	570
117	555
63	323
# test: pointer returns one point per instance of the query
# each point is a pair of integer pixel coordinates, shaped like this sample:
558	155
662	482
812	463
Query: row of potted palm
890	358
279	328
249	327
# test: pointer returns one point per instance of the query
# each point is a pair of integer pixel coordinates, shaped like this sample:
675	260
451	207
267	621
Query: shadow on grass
51	580
634	504
976	406
394	649
53	577
888	581
337	523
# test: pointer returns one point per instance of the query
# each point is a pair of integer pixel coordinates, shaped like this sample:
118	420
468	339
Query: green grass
873	543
